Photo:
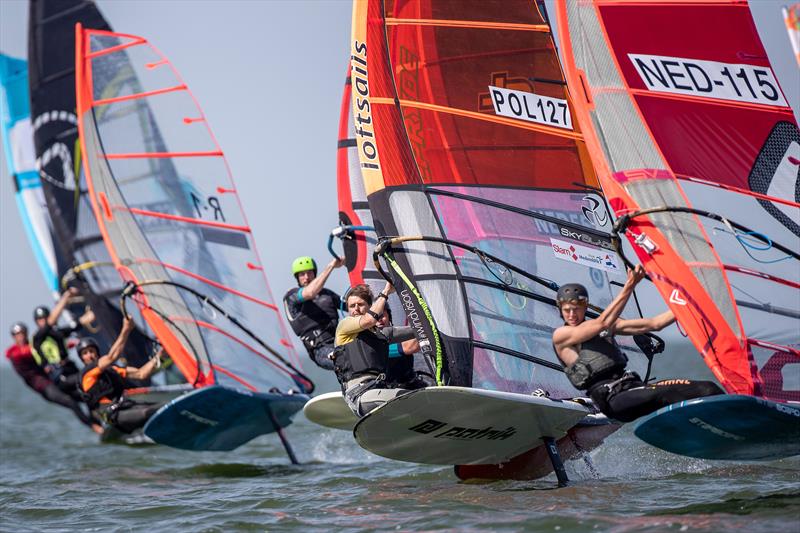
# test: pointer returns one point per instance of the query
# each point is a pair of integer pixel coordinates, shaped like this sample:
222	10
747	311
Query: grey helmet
572	291
87	342
19	327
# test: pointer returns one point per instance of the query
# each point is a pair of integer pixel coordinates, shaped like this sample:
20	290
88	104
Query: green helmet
301	264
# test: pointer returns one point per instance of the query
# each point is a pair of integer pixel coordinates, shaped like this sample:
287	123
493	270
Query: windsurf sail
356	230
170	216
699	154
791	16
15	118
80	256
471	158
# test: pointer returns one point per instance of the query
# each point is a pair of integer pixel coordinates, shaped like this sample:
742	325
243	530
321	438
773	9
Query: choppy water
54	475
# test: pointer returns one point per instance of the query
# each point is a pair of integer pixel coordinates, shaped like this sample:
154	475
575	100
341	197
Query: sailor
313	310
361	358
49	343
400	372
21	356
593	362
103	383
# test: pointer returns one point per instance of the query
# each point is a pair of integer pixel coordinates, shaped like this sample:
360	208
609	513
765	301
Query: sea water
56	476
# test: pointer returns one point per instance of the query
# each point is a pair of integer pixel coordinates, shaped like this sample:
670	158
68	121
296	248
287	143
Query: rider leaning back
594	363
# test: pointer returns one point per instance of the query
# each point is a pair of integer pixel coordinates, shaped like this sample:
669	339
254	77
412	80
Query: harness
109	384
315	321
599	358
367	354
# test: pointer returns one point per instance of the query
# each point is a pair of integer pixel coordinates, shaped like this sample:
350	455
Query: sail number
208	207
709	79
531	107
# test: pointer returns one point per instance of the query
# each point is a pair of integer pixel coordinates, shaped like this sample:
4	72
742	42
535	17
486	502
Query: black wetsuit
103	393
314	321
623	395
50	343
363	367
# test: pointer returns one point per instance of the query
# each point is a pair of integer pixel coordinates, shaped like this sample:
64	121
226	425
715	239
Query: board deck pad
460	425
220	419
729	427
330	410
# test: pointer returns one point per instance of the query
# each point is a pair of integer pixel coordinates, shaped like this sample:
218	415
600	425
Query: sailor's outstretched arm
571	335
116	348
311	290
52	319
636	326
148	369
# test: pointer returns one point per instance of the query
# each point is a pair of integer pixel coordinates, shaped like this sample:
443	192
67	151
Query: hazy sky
268	75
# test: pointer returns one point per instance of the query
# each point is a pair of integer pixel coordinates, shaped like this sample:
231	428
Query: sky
268	75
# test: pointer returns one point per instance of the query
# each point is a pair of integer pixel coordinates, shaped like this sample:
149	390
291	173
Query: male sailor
361	358
49	343
593	362
103	383
21	357
400	371
313	310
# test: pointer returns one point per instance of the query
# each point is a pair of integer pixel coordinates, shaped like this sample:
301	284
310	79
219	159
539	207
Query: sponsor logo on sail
583	255
363	113
594	211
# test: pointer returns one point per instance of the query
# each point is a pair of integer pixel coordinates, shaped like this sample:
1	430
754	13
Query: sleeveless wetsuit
103	390
600	370
314	321
362	364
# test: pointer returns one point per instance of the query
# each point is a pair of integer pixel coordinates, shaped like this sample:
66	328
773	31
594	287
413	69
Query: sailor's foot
97	428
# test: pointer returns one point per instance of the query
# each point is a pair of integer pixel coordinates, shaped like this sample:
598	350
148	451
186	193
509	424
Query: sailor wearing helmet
594	363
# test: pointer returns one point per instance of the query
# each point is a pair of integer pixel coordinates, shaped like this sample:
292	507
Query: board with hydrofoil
218	418
729	427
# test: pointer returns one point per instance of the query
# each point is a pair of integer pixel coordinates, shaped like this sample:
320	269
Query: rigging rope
132	288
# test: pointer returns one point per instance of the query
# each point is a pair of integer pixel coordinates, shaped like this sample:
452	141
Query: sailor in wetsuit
50	347
361	358
594	363
103	383
313	310
21	357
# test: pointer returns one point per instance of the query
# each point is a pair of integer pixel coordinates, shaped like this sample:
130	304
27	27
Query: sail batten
169	213
479	184
695	144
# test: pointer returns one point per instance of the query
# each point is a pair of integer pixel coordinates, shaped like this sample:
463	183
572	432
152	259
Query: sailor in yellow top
361	357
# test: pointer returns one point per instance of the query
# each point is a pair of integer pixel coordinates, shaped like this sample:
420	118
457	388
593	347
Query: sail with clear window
698	152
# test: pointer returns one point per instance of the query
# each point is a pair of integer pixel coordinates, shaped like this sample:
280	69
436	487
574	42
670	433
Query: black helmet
87	342
572	291
41	312
19	327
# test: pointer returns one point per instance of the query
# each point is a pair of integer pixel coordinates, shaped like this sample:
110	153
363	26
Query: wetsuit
600	370
314	321
50	345
103	390
361	363
22	360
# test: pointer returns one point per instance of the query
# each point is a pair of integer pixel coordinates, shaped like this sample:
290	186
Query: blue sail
15	118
